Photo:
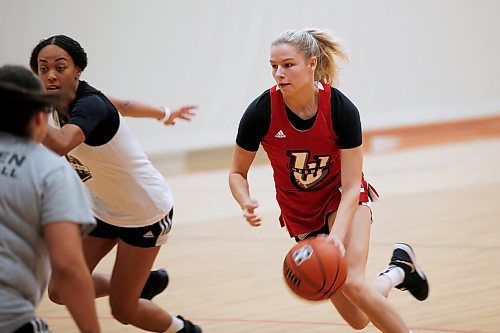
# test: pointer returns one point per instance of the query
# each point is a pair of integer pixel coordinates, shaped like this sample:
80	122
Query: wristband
168	112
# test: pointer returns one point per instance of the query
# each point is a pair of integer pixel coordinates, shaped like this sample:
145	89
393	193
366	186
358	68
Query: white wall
411	61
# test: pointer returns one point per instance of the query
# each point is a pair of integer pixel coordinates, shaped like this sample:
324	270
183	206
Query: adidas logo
280	135
148	234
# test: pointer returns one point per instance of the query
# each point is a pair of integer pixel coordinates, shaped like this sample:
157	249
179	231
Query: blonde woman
311	133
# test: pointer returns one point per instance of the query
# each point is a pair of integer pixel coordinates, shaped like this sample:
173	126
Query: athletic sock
395	274
176	325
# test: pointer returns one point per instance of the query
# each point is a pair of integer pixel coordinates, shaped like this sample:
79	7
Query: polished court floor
441	196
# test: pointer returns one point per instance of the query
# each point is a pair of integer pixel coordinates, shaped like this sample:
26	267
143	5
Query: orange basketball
314	269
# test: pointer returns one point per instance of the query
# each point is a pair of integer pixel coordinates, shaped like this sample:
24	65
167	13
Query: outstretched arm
238	183
136	109
70	273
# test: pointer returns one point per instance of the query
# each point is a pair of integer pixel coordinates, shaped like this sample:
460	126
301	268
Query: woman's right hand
336	241
249	213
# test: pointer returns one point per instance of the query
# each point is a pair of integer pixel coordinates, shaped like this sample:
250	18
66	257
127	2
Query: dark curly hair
68	44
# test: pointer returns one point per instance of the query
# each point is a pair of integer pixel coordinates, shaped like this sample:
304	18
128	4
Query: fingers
185	112
341	248
187	115
190	106
252	218
249	213
335	242
188	110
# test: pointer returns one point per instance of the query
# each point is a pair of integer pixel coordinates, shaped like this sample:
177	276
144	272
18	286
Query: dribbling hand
337	242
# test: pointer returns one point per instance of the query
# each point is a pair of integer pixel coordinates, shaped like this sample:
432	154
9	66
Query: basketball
314	269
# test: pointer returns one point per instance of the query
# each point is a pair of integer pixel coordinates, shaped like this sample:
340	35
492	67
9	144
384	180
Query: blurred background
425	76
411	62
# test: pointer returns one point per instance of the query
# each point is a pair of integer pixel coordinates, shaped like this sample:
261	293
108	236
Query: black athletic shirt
256	120
94	114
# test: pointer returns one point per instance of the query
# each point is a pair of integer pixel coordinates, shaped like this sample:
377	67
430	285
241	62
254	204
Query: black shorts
37	325
147	236
323	231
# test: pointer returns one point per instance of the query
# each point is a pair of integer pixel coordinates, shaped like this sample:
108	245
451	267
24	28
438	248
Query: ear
78	73
313	62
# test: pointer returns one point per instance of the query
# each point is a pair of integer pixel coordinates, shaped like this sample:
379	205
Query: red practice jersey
306	165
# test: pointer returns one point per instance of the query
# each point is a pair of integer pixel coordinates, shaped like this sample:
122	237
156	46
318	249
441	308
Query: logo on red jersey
306	174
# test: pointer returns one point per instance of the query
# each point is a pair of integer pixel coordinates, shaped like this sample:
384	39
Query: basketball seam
323	274
303	276
330	292
314	294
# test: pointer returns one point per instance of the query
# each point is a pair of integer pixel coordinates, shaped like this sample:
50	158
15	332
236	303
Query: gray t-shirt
37	187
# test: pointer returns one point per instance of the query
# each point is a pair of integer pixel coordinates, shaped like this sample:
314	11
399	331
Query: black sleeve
88	113
346	121
97	118
255	123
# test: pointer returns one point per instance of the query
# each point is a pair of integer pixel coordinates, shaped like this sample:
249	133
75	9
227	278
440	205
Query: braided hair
68	44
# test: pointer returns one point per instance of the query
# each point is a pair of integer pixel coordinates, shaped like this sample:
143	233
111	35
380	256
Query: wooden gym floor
440	187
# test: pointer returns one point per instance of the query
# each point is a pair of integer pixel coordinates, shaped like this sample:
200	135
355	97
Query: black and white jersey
125	187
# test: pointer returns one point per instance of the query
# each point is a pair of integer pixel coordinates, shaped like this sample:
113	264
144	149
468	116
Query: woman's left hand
185	112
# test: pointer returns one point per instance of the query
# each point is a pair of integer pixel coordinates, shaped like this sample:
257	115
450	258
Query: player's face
58	72
290	69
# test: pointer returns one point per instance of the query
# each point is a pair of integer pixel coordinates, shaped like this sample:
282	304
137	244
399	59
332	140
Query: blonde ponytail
316	43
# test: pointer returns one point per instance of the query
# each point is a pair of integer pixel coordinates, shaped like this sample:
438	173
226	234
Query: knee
353	288
54	296
123	312
359	325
